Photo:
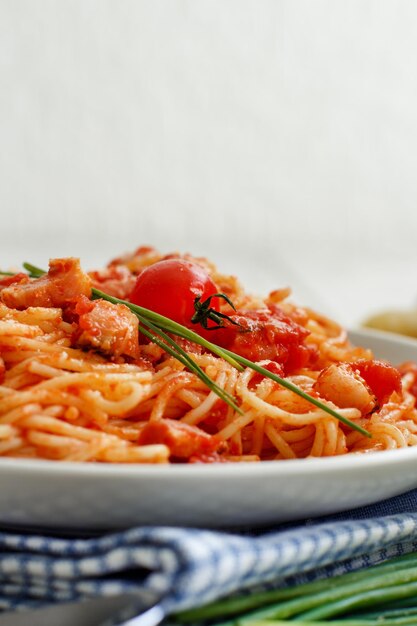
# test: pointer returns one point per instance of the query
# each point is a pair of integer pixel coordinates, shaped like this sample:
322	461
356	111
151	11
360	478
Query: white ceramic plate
92	497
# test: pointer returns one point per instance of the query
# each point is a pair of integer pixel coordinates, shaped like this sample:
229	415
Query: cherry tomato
170	287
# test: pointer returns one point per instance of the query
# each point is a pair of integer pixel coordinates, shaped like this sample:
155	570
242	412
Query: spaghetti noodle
78	382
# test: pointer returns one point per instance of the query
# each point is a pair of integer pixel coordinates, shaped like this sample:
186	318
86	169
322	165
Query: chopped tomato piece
217	415
267	334
64	281
82	305
271	366
20	278
111	328
382	378
182	439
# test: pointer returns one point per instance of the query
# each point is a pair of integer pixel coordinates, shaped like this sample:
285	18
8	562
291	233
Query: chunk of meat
183	440
64	281
116	280
110	328
345	388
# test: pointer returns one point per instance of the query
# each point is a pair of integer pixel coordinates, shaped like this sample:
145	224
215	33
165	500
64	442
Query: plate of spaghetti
158	391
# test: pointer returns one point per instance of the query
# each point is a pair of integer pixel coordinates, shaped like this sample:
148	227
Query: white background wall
278	137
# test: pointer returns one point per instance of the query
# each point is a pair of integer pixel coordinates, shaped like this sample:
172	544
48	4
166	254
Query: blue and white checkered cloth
189	567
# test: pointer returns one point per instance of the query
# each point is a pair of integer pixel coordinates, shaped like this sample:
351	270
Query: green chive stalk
166	325
170	346
234	359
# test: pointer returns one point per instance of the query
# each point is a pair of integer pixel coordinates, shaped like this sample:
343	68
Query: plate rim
294	467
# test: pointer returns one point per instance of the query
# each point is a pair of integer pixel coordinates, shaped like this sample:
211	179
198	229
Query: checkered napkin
189	567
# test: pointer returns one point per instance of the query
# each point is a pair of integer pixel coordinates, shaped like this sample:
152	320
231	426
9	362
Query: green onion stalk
380	595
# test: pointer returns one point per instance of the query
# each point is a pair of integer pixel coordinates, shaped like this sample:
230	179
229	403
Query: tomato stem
204	312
